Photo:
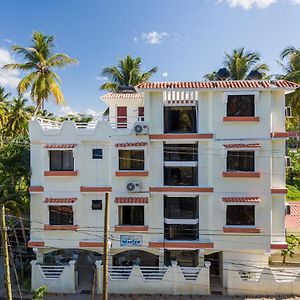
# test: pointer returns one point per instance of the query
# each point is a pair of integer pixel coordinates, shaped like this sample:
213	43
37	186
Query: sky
185	38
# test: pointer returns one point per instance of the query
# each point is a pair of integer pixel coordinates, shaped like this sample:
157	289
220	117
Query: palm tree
292	72
3	106
240	63
39	60
17	118
126	73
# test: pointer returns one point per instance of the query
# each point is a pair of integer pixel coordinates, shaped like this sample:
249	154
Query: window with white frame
241	105
240	215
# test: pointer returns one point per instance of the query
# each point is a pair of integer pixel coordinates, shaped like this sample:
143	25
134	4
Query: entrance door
121	117
215	274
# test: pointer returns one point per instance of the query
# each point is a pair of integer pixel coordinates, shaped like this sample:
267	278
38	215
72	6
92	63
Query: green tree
39	62
39	293
292	243
290	63
240	63
3	107
126	73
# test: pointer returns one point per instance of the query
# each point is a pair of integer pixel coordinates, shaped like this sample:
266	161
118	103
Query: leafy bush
39	293
293	193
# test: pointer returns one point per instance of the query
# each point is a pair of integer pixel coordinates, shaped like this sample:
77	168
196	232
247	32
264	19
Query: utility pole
105	248
6	256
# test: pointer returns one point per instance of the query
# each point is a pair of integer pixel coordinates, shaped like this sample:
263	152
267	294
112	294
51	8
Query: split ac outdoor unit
133	186
288	112
140	127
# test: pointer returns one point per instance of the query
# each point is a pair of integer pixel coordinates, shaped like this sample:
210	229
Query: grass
293	193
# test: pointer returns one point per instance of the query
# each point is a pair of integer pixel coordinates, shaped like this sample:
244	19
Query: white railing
190	273
51	272
119	272
285	275
153	273
112	120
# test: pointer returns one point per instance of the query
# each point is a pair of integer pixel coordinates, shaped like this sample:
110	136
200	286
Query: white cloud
135	39
248	4
8	41
101	78
8	78
67	110
165	74
295	1
93	113
154	37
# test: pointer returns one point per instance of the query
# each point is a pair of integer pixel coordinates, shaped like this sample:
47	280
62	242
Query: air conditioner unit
288	162
133	186
288	112
140	128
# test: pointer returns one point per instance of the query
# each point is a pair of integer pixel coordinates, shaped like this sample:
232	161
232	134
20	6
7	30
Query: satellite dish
223	74
255	75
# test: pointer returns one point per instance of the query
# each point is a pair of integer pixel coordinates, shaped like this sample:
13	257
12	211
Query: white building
195	171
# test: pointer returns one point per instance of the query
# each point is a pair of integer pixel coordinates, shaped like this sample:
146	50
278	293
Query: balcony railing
112	120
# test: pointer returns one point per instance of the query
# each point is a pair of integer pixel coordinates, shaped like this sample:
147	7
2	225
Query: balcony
181	232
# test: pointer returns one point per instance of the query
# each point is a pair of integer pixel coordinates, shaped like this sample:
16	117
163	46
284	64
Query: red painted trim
240	119
279	191
241	230
32	244
241	174
168	244
91	244
181	189
60	173
176	136
61	227
279	134
131	173
131	228
33	189
91	189
278	246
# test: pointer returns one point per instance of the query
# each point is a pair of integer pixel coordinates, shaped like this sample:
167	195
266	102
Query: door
141	113
122	117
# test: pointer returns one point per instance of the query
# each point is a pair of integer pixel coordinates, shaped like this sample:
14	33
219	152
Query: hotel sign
130	240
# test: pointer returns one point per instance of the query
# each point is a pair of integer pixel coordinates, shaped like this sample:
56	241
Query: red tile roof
293	220
60	200
139	144
233	146
131	200
122	96
241	199
230	84
59	146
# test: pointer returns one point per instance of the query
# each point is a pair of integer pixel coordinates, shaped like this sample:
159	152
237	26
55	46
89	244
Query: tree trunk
23	230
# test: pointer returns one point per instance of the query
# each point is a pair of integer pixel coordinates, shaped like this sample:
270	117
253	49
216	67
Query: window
180	119
240	161
240	215
97	153
141	113
181	232
61	215
177	176
240	106
131	215
185	258
131	159
181	207
61	160
96	204
181	152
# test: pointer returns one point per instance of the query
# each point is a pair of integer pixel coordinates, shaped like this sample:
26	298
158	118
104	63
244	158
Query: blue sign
130	240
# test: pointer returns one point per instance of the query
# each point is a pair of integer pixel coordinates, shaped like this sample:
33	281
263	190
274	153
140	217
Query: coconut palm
39	62
126	73
17	118
240	63
3	106
290	63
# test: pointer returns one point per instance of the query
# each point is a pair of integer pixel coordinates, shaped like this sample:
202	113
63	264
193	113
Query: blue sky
184	38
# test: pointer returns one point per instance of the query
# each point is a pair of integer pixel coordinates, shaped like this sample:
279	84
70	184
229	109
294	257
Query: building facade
195	172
